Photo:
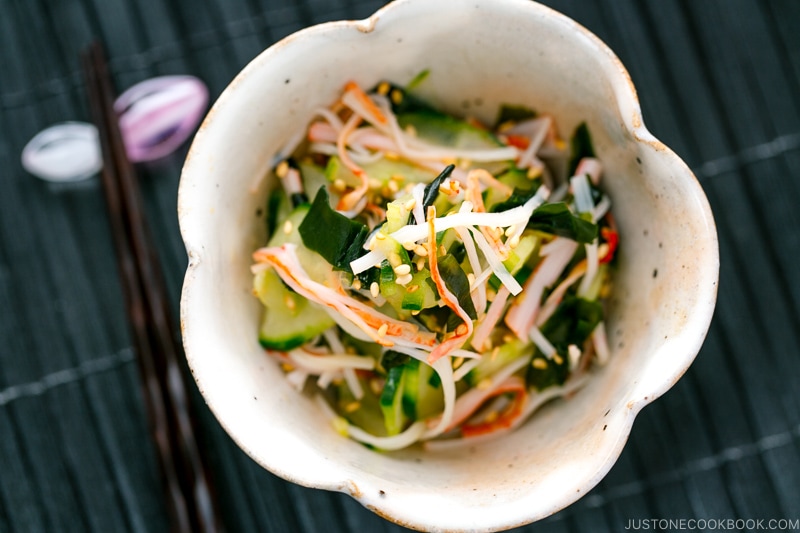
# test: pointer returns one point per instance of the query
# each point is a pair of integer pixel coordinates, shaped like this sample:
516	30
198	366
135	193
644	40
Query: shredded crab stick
463	330
427	309
379	327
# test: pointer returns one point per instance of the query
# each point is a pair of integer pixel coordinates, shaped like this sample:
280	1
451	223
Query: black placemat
719	82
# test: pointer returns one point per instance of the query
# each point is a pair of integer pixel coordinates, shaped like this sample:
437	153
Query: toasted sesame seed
287	367
282	169
391	156
462	329
508	337
402	269
495	351
420	250
287	227
412	288
383	88
484	383
533	173
338	184
376	386
352	406
393	186
539	363
442	250
558	359
383	329
374	289
457	362
491	417
396	96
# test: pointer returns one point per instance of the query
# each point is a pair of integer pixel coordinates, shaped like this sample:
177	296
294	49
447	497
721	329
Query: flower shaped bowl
480	54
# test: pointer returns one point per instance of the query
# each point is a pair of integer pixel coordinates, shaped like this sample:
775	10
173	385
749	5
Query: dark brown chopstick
187	482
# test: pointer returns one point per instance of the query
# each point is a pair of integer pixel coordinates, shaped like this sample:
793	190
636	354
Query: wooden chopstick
189	491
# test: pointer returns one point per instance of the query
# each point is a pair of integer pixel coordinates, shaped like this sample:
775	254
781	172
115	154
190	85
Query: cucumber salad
430	278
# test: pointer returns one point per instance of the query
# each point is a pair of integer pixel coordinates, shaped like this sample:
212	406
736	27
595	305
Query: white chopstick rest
68	151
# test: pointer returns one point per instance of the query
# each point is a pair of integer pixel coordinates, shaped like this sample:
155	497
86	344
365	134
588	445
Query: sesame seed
375	386
495	351
391	156
442	250
510	230
287	367
383	88
420	250
374	183
409	245
533	173
411	130
374	289
420	263
491	417
402	269
410	204
513	242
457	362
289	302
415	312
405	279
282	169
412	288
356	284
287	227
383	329
393	186
508	337
471	279
394	259
484	383
352	406
396	96
464	164
462	329
338	184
558	359
539	364
380	236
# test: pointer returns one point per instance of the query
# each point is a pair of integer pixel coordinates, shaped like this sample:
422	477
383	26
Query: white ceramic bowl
480	53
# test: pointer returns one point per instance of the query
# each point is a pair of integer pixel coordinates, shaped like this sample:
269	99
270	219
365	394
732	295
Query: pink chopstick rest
67	151
157	115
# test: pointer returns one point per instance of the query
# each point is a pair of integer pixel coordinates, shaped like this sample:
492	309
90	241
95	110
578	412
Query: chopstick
189	492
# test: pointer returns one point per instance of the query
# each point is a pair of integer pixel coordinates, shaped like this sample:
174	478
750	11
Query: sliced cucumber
492	363
392	401
289	319
381	170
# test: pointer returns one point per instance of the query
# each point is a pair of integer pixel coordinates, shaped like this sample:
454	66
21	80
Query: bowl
480	54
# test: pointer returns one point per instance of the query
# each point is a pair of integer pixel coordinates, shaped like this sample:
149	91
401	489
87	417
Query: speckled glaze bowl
480	54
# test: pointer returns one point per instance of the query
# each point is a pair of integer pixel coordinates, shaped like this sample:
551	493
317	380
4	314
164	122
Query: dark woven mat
719	82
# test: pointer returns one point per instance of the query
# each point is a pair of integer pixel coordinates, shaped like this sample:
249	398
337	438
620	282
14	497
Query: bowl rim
627	99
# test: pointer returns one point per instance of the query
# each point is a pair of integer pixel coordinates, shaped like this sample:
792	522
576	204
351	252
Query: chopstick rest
155	118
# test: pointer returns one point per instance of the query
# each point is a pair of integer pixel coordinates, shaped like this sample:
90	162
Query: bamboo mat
719	82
